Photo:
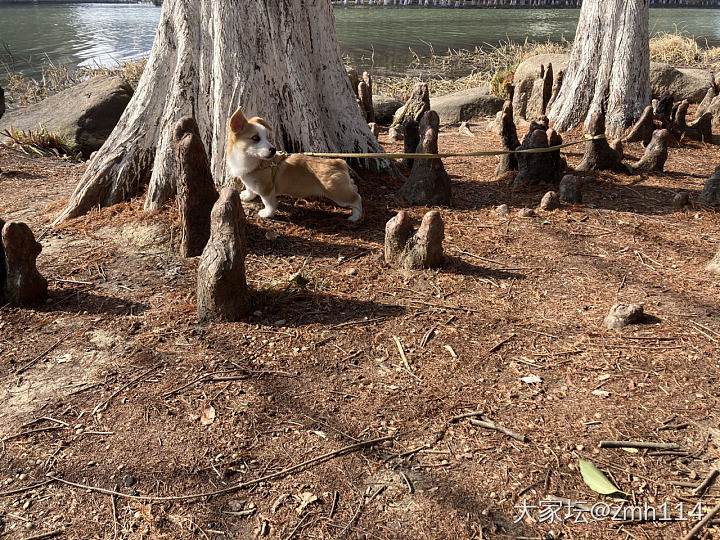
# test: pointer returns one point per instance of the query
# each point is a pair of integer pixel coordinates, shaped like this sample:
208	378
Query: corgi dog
252	158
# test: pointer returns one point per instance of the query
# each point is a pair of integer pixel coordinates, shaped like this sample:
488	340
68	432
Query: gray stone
385	108
86	113
466	105
681	83
622	315
503	210
571	189
526	213
550	201
681	200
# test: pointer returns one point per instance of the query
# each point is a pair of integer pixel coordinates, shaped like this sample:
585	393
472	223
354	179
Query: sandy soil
121	388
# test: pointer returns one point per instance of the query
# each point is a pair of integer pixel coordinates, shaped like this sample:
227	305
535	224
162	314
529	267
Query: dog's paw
266	213
247	196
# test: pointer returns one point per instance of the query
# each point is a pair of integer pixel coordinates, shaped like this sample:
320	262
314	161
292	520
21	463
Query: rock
395	134
466	105
510	141
86	113
622	315
550	202
129	480
385	108
642	130
222	291
196	193
411	129
526	213
429	183
503	210
681	200
464	129
656	153
714	266
681	83
598	154
416	105
710	193
22	284
530	68
351	272
535	104
571	189
414	250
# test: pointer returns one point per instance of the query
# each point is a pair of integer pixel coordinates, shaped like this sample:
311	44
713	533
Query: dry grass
680	49
24	90
43	143
494	65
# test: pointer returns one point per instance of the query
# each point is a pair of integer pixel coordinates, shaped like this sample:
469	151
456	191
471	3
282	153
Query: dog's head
249	137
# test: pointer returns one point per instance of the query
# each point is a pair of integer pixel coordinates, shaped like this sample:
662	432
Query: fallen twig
42	355
639	444
236	487
103	405
703	522
702	488
489	424
43	536
24	489
465	415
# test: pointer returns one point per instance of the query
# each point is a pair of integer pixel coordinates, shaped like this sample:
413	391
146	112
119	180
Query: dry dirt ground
113	383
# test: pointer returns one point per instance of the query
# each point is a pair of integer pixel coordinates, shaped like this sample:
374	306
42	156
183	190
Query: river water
33	35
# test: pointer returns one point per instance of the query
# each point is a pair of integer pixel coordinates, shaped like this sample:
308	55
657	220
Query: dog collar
273	163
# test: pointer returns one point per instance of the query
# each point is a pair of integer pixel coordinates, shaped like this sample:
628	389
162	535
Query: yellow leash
447	155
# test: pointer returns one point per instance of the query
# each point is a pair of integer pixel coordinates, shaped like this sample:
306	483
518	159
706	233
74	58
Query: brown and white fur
248	155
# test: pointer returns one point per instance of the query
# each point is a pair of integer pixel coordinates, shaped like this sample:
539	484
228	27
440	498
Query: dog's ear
238	120
262	122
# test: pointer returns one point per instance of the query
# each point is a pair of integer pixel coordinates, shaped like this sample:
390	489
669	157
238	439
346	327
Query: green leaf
596	479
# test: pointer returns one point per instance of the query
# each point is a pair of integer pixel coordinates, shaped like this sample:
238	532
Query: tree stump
22	283
570	190
196	193
222	291
414	250
664	110
538	168
416	105
714	266
710	194
2	102
534	107
704	104
411	140
429	183
557	85
354	82
510	141
521	98
365	98
700	130
642	130
3	270
656	153
598	154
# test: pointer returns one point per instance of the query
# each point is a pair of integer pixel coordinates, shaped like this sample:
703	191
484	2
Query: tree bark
609	67
279	59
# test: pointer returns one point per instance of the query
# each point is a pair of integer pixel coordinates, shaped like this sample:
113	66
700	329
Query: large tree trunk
609	66
279	59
